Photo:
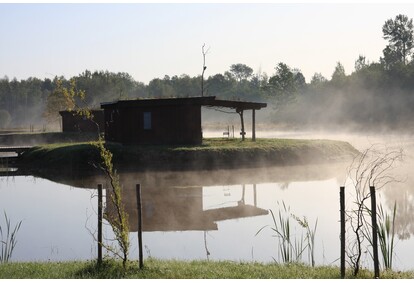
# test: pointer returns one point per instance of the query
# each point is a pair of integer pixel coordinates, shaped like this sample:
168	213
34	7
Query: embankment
25	139
212	154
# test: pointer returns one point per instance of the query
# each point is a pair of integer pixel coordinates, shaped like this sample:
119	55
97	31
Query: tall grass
386	234
310	236
290	246
8	239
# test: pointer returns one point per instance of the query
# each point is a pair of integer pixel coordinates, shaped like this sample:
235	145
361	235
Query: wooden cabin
164	121
73	122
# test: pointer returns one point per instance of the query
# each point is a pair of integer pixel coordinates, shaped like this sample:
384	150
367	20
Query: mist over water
218	210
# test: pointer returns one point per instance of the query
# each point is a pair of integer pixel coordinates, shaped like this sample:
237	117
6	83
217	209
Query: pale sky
152	40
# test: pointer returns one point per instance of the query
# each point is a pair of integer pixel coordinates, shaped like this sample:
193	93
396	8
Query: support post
253	125
243	193
100	195
243	133
374	231
254	195
342	212
139	208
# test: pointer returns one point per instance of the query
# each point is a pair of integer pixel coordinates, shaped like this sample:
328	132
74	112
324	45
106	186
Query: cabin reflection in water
179	209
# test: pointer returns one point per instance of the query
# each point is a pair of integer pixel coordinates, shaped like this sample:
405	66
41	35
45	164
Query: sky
150	41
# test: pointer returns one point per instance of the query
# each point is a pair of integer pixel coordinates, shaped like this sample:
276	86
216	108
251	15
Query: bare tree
372	168
204	52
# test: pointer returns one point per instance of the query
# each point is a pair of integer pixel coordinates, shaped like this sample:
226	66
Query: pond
188	215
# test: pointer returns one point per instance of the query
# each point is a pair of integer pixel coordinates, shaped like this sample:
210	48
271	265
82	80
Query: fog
365	119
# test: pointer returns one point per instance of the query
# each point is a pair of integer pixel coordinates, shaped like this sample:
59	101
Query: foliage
62	98
338	75
8	239
285	85
241	71
116	213
399	33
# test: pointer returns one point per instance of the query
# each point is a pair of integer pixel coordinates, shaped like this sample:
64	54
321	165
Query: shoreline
214	153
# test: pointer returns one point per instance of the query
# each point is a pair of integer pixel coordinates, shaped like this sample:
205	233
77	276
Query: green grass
218	153
167	269
212	145
26	138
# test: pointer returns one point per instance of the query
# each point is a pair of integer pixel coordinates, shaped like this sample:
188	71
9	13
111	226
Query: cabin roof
198	100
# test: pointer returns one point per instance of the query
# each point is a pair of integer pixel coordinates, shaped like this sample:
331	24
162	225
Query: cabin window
147	121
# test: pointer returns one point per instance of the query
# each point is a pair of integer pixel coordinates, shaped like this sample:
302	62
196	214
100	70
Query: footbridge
14	149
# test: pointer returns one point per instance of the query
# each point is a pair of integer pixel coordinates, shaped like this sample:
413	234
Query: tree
361	63
5	118
285	84
283	80
218	84
116	213
372	168
399	33
339	72
299	79
57	101
318	79
241	71
204	52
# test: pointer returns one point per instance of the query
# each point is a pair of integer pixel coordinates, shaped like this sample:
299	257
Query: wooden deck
16	149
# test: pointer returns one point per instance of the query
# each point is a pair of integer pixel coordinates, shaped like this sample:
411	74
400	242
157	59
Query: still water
196	215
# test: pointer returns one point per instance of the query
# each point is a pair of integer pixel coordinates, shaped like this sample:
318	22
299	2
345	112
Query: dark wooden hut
163	121
73	122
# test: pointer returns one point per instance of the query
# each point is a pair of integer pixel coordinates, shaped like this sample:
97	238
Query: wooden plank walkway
16	149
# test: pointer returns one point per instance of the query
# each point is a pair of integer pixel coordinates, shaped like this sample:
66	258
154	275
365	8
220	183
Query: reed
386	235
290	246
310	236
8	238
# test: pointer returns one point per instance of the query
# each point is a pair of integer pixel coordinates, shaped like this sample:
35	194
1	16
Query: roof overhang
209	101
238	105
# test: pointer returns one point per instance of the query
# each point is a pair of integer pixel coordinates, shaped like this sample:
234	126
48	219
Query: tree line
374	94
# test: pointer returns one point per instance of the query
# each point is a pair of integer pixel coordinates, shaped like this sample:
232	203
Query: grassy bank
212	154
25	138
164	269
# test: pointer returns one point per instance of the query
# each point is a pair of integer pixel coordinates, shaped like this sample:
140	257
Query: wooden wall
170	124
71	122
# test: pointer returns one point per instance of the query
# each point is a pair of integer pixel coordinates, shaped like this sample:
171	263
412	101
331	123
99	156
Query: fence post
99	223
342	211
139	208
374	231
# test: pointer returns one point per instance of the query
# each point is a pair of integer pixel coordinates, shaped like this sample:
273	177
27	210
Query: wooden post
255	195
100	223
243	193
374	231
139	208
342	212
253	125
243	133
